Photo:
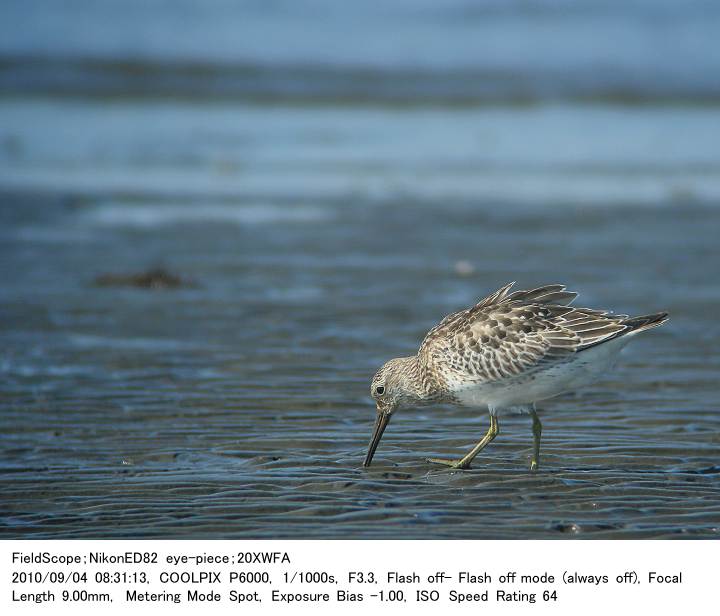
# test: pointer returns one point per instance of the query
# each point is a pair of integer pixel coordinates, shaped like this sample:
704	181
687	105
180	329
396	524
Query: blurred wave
230	154
149	215
410	52
339	85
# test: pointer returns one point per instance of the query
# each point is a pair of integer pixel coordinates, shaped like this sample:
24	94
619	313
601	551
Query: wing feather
549	294
508	334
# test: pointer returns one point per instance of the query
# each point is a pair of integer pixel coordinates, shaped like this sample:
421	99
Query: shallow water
323	224
239	407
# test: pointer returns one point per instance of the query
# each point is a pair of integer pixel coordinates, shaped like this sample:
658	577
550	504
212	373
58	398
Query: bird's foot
457	464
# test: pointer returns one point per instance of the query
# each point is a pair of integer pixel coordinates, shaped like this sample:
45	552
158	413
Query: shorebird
505	353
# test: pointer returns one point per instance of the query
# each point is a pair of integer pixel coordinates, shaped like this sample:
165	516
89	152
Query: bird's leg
537	431
464	462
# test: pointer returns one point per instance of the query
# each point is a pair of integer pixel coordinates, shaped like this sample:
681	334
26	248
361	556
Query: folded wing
509	334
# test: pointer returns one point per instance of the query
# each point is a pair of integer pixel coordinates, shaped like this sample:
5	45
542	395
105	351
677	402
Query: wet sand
239	408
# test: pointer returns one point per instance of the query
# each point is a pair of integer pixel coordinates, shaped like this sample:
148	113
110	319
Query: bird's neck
416	381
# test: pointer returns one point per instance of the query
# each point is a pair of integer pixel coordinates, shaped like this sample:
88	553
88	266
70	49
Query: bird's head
393	387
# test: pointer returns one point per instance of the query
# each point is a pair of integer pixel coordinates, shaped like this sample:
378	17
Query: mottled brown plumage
509	350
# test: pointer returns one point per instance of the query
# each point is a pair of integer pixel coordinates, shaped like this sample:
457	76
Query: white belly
544	383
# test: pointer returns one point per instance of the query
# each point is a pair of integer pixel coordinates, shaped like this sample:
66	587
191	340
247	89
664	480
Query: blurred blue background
535	101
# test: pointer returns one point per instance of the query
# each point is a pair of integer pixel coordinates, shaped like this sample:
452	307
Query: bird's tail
645	321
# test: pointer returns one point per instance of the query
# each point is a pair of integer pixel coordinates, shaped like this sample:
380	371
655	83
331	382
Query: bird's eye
379	390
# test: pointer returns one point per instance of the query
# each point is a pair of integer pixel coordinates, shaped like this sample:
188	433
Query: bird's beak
381	422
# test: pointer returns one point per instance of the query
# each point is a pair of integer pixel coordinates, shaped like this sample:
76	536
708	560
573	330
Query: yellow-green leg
464	462
537	432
